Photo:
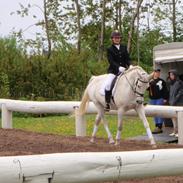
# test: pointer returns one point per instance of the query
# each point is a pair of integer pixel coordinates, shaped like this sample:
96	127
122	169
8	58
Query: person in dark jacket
175	96
119	60
158	94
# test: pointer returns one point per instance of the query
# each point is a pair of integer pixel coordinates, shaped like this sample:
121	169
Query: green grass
65	125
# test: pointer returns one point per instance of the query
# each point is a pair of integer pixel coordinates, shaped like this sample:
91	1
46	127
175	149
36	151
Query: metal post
80	124
6	116
180	127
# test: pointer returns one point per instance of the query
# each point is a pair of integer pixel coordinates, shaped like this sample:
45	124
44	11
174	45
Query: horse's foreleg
141	112
120	120
95	128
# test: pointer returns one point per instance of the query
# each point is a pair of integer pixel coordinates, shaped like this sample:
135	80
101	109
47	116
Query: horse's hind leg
95	128
100	116
141	112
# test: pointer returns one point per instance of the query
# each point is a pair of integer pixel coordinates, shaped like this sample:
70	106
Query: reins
134	88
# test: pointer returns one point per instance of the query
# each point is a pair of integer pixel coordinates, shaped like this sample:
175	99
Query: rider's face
116	40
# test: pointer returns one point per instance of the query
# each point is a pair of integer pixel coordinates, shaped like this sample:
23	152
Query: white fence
8	106
90	167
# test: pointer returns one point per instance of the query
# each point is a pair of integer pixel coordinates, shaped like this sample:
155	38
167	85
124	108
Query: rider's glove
121	69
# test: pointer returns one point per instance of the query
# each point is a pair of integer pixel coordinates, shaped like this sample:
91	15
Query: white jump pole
180	126
6	116
91	167
80	124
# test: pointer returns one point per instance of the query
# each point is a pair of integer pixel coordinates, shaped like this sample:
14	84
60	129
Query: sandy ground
18	142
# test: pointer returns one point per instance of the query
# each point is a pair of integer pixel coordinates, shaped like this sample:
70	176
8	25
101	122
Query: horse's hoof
117	143
92	140
154	146
111	141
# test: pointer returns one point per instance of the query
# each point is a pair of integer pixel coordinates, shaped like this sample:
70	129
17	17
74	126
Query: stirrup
107	107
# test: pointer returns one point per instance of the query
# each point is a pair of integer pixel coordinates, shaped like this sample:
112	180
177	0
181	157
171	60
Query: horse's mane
131	68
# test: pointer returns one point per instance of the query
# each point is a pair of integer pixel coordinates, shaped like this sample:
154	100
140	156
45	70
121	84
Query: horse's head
141	83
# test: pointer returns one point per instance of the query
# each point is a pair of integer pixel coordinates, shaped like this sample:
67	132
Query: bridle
134	89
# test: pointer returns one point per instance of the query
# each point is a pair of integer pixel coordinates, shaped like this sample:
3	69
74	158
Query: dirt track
19	142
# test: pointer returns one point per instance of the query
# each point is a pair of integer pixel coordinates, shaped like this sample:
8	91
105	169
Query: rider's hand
121	69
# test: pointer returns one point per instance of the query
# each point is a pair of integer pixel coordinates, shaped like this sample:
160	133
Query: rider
119	60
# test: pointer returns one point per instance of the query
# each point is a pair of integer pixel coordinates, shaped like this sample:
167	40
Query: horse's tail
85	99
84	103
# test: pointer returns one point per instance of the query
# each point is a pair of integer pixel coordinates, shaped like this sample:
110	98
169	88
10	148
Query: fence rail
9	106
90	167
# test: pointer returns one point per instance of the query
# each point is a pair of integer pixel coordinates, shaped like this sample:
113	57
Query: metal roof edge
167	46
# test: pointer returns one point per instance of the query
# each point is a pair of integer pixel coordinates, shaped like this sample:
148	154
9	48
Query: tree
174	24
49	24
4	86
101	48
47	28
120	16
78	25
168	17
132	24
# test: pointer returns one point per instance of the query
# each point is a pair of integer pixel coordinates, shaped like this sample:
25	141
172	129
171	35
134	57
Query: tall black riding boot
107	100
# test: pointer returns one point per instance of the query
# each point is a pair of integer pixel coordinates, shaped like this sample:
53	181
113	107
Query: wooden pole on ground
93	166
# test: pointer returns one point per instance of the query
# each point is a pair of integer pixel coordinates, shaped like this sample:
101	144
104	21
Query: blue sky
9	22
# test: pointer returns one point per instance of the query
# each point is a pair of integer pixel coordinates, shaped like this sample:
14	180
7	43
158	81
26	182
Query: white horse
127	94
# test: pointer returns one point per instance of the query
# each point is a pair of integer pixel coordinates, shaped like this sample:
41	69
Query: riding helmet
115	33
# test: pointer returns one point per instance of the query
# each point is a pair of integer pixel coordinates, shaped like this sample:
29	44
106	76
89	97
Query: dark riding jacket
176	93
117	58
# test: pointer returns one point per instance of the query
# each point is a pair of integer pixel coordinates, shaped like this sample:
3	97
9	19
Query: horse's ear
150	76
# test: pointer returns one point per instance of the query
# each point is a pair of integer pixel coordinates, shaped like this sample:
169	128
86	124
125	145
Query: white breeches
108	81
107	84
